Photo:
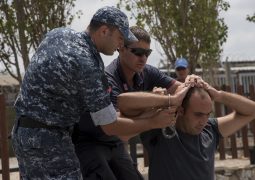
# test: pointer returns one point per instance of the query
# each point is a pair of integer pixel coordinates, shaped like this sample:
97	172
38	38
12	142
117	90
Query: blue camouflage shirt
65	78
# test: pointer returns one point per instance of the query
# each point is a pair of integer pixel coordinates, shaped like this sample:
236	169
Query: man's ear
121	49
104	30
180	111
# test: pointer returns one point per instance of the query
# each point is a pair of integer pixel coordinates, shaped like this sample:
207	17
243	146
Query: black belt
27	122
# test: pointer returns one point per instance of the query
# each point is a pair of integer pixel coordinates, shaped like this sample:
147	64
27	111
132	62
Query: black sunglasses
140	51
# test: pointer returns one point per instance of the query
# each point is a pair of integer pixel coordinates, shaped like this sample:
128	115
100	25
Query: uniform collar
93	49
90	42
138	79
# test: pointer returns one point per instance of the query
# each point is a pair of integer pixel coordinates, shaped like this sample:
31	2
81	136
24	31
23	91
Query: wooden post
4	140
145	157
232	137
252	97
133	149
244	130
218	113
228	73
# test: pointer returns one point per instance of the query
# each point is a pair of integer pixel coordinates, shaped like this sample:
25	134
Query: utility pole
228	73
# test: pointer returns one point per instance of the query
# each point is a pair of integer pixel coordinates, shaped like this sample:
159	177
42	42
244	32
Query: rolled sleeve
104	116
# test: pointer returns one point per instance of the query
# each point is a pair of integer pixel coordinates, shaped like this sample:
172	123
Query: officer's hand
159	90
164	118
180	93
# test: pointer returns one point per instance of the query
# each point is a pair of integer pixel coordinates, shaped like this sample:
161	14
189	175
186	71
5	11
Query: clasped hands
178	96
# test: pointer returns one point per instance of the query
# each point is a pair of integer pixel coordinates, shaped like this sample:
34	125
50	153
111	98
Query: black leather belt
27	122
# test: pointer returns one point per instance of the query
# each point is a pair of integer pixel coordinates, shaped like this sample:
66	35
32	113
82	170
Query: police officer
65	78
102	156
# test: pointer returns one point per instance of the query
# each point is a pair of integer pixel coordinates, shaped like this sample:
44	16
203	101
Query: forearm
127	127
238	103
232	122
243	112
126	138
153	119
133	103
136	103
173	88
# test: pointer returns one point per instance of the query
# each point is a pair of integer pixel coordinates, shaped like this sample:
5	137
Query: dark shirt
65	78
144	81
184	156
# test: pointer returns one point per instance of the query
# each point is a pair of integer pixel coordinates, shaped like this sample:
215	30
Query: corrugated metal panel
239	60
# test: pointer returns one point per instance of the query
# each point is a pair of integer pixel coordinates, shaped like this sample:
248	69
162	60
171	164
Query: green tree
251	18
23	23
184	28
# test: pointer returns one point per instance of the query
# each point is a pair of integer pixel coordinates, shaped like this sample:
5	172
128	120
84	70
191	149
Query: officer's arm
144	115
124	126
135	103
173	87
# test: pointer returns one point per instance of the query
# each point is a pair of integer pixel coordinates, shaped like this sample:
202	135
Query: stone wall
235	172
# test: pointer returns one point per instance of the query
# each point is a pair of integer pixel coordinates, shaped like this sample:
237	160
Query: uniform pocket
30	138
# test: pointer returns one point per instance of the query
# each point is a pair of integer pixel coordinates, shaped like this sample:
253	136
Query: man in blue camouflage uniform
65	78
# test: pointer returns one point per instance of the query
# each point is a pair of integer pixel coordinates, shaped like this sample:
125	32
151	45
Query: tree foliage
23	23
251	18
184	28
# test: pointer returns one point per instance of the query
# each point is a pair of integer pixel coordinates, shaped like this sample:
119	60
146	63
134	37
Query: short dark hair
141	34
95	25
202	92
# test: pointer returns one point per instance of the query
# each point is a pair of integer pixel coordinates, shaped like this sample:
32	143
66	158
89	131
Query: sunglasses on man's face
140	51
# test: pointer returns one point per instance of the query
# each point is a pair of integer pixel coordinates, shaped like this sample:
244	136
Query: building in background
241	72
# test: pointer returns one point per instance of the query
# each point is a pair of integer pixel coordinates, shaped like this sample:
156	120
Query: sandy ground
13	164
219	164
15	175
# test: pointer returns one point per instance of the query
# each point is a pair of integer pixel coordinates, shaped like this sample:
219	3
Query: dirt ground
219	164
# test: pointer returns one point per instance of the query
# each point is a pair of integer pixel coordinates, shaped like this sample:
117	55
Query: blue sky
240	44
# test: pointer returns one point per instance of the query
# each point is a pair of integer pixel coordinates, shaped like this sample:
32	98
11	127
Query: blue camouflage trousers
45	154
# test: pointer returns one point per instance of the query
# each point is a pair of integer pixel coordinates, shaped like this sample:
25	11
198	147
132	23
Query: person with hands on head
190	154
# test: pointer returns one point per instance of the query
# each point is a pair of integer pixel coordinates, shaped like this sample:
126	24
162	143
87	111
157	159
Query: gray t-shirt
184	157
